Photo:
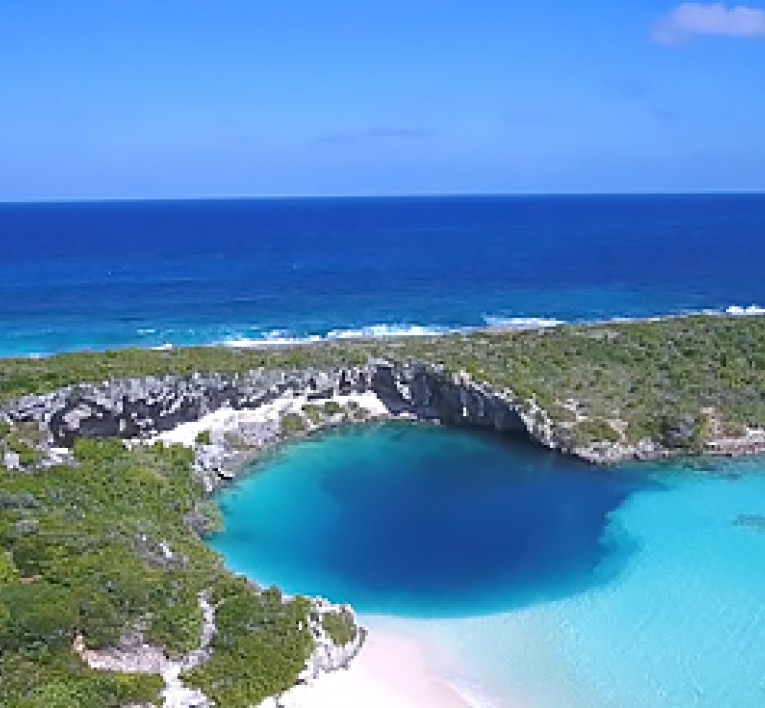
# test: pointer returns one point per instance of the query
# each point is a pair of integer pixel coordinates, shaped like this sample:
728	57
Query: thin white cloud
691	20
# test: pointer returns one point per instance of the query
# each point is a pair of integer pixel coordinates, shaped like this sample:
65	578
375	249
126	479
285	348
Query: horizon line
385	195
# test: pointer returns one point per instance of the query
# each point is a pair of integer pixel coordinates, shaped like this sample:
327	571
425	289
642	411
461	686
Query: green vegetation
340	627
21	440
203	438
106	547
643	374
293	424
261	645
21	376
314	413
57	679
595	429
332	408
111	545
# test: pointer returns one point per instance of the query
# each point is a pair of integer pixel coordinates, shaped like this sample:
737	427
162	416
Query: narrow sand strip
229	418
390	672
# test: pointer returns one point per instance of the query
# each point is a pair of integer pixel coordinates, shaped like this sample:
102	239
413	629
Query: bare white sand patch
391	671
229	419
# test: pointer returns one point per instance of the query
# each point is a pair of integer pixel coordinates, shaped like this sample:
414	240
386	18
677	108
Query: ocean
151	274
538	580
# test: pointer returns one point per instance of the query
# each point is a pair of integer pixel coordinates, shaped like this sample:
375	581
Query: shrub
313	413
292	424
340	627
203	438
595	430
332	408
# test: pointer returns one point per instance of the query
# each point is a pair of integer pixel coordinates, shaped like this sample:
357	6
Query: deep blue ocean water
106	275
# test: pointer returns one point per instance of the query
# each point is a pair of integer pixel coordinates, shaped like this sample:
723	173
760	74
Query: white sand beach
394	669
391	670
228	418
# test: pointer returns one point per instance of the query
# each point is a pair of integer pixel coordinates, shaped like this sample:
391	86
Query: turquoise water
547	582
421	521
682	623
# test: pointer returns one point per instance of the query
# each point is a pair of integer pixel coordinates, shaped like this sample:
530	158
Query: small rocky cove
145	409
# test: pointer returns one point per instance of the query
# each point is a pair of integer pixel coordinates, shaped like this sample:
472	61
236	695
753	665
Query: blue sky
184	98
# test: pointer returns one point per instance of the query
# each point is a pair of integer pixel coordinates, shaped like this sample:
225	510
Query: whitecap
389	330
750	310
521	322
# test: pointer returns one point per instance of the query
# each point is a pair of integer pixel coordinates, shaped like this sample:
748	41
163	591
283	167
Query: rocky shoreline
134	656
297	403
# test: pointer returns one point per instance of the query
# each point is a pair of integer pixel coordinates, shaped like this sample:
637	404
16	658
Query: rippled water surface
108	275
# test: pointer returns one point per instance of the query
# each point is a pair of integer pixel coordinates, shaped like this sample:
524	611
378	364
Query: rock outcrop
143	408
133	656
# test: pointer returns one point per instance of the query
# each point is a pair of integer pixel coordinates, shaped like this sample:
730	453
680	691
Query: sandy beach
229	418
391	670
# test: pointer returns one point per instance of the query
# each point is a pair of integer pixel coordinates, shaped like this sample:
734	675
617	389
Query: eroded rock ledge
146	408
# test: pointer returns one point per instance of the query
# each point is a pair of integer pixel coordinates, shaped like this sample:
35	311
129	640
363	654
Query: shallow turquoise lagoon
547	582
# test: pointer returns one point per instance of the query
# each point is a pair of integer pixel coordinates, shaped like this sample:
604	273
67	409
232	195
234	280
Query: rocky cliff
143	408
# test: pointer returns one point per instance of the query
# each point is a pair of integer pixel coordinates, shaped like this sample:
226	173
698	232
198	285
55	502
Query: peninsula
108	594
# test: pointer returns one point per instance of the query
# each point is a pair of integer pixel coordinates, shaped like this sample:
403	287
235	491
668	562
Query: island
109	462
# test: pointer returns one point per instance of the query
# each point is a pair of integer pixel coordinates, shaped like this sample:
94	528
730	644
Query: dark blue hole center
425	521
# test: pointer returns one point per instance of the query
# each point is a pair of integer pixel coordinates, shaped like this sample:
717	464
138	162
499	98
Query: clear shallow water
98	276
549	584
682	624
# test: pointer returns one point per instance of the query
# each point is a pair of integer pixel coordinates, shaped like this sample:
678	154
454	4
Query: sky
192	98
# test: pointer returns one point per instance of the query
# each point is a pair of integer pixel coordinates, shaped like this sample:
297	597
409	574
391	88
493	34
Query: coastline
492	324
392	669
395	666
626	412
228	418
281	339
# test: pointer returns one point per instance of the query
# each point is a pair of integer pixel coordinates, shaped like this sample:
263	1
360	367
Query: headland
90	469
